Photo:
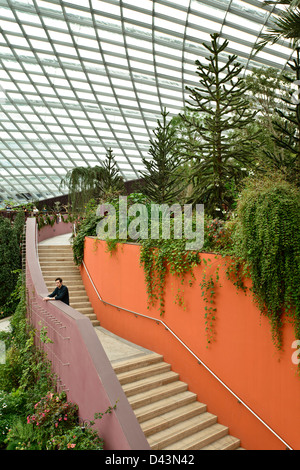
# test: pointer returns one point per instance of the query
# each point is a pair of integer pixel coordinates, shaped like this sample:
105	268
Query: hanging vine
159	256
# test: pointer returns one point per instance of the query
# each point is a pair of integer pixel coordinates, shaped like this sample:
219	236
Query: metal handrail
193	354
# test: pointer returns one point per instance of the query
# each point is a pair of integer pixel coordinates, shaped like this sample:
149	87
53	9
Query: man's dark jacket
61	293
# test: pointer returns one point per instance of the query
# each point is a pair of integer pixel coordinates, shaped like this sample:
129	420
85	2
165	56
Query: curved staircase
169	414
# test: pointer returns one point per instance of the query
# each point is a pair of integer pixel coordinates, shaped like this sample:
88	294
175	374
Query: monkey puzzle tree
220	154
286	26
111	182
161	183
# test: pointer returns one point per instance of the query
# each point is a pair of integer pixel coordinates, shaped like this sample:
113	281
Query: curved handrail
193	354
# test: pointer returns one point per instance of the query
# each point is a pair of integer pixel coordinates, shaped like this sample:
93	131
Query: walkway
116	348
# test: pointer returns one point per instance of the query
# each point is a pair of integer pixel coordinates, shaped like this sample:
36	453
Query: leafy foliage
160	256
86	226
267	238
289	126
285	26
33	416
10	260
85	183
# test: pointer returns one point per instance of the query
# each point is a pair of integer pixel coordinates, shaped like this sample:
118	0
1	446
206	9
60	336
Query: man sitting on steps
60	292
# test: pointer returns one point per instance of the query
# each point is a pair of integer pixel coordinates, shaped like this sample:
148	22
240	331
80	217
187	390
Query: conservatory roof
78	77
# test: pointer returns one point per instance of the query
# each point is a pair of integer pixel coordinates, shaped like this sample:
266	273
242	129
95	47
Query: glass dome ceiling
79	77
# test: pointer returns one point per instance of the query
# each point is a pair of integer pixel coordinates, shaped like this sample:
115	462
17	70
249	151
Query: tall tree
267	89
99	182
286	26
111	182
160	180
220	156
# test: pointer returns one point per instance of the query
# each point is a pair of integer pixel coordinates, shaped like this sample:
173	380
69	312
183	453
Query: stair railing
288	447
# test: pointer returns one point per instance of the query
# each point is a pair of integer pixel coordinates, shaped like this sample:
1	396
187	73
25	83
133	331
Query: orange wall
242	356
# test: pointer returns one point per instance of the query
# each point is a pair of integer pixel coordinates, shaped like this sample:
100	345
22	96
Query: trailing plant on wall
208	286
267	238
159	256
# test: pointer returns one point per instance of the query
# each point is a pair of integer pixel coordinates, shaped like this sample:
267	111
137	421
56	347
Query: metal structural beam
78	77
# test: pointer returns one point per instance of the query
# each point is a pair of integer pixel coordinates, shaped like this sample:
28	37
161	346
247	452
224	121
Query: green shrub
77	438
12	405
10	260
21	436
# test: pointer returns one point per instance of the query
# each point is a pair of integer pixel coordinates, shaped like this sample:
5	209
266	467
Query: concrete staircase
169	414
57	261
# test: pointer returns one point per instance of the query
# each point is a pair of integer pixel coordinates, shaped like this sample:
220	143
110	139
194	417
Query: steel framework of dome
79	77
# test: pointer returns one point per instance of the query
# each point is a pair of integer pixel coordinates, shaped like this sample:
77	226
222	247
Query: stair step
156	394
200	439
91	316
86	310
51	247
63	269
55	254
173	417
225	443
80	298
143	372
44	253
57	258
78	305
70	275
149	383
129	364
152	410
52	263
164	439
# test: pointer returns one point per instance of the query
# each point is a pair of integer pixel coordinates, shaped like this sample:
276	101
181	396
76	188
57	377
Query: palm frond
291	3
286	26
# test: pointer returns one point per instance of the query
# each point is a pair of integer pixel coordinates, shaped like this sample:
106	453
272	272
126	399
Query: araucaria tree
286	27
220	156
161	183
